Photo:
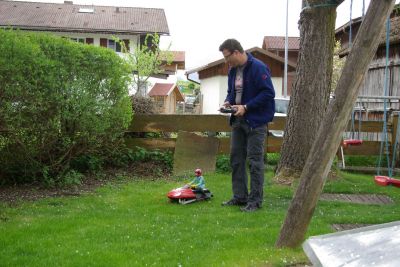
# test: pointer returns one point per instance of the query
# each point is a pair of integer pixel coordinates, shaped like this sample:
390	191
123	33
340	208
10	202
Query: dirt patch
12	195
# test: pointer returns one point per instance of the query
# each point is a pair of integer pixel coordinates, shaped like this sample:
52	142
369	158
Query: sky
198	27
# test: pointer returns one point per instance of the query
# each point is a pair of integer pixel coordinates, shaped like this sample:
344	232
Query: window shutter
126	41
103	42
89	40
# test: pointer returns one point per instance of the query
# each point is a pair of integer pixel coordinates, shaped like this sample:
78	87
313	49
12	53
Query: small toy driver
198	182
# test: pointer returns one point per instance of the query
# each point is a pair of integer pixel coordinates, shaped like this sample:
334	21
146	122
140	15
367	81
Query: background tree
311	90
338	64
146	60
327	141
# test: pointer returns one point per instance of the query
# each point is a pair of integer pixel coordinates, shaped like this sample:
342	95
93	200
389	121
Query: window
86	10
114	45
150	44
78	40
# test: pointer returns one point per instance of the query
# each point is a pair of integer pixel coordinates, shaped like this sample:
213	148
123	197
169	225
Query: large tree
311	90
327	140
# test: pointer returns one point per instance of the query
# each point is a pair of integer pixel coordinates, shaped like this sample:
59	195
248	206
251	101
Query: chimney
68	2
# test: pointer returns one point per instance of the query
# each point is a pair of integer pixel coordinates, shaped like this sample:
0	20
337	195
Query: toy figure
198	182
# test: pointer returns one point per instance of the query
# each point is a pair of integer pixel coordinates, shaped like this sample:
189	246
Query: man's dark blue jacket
258	92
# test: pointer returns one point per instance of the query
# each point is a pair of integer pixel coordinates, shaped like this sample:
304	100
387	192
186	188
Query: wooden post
320	159
394	119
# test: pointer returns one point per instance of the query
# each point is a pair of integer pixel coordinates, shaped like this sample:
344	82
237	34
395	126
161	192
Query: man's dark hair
231	45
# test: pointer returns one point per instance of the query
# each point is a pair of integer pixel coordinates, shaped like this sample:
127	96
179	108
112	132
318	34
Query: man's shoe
234	202
250	207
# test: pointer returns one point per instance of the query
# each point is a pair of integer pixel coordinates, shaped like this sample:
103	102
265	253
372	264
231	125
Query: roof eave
254	49
78	30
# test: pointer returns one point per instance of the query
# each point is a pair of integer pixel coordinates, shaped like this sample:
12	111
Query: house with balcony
91	24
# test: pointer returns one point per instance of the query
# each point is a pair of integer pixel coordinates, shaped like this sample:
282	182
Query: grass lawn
132	223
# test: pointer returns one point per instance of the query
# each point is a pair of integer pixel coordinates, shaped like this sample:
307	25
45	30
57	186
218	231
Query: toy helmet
198	172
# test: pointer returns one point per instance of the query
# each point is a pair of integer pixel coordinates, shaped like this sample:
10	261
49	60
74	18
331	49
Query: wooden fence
220	123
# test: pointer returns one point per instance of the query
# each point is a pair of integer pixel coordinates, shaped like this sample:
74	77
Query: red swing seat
352	142
385	181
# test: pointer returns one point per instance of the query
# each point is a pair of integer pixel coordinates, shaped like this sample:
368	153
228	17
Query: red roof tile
67	17
278	43
165	89
161	89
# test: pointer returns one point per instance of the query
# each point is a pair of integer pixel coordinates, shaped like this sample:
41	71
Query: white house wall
277	83
214	92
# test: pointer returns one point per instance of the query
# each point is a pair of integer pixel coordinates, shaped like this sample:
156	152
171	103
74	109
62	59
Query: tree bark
326	144
311	90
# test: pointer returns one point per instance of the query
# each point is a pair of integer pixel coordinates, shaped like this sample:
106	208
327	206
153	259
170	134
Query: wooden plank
366	126
214	123
366	169
194	151
189	122
220	123
277	124
366	148
175	123
151	143
273	144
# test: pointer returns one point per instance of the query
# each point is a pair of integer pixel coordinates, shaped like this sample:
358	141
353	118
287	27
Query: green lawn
133	224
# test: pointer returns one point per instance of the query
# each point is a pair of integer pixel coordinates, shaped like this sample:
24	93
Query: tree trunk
311	90
326	144
141	88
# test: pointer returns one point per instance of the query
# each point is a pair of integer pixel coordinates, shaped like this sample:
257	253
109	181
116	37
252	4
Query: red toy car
184	195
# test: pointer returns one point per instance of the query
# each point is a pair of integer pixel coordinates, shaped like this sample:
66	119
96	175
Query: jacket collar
250	58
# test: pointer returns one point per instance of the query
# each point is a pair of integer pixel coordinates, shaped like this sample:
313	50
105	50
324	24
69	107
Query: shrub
59	101
142	154
143	105
223	163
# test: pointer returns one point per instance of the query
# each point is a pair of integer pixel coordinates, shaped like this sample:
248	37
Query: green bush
272	159
164	157
59	101
223	163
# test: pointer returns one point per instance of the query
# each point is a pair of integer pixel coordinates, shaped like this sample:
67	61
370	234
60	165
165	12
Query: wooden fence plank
367	126
214	123
273	144
367	148
190	123
175	123
220	123
151	143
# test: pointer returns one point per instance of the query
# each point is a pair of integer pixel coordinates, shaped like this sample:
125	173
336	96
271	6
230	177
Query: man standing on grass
251	94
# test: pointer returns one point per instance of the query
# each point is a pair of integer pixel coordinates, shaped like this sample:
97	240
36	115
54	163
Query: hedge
61	103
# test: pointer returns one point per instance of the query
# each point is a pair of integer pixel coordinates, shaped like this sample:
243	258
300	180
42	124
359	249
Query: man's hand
226	104
240	110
